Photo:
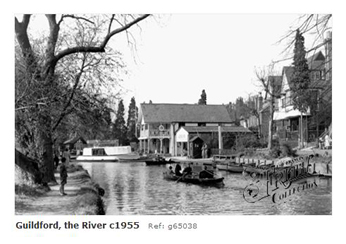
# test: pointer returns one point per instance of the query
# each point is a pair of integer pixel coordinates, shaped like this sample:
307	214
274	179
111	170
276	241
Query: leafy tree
120	129
203	99
51	70
132	120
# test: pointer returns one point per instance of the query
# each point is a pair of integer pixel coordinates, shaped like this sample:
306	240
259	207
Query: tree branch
73	17
64	111
102	46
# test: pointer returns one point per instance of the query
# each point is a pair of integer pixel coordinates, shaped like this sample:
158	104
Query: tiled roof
193	113
201	129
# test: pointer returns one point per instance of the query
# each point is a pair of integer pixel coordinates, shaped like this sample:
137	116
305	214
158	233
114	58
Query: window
288	100
294	125
283	102
98	152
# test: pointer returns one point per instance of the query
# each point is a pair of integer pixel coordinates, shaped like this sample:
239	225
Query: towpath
51	202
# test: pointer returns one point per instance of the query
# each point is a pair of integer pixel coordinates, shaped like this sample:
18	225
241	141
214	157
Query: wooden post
220	138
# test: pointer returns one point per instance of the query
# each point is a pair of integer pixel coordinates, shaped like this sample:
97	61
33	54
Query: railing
159	133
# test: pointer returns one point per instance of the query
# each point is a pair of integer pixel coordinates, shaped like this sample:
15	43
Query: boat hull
230	168
97	159
157	162
193	180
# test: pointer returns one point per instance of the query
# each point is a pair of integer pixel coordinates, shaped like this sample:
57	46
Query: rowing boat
193	179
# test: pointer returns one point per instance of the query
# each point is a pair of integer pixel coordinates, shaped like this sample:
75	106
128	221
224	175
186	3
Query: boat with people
195	173
193	179
108	154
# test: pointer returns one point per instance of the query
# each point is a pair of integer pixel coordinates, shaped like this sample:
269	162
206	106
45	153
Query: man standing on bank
63	176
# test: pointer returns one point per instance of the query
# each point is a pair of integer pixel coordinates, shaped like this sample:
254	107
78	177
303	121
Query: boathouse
182	129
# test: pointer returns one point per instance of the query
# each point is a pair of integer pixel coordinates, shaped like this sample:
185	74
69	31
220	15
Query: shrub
278	150
274	152
249	141
286	150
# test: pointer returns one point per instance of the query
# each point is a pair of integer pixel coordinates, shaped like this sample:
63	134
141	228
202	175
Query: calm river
137	189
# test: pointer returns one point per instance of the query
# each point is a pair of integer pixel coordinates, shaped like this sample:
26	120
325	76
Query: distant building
291	123
181	129
75	145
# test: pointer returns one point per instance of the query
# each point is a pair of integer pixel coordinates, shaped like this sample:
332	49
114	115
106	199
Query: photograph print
173	114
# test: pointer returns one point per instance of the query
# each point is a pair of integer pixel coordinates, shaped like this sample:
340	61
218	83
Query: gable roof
288	71
74	140
316	61
193	113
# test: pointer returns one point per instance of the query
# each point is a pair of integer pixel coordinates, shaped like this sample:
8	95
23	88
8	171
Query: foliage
60	76
301	95
203	99
249	141
286	150
119	128
283	150
132	120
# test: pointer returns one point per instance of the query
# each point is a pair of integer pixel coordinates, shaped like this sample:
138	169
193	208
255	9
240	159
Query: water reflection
134	188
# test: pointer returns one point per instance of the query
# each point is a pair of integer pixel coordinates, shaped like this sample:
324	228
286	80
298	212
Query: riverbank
320	163
83	196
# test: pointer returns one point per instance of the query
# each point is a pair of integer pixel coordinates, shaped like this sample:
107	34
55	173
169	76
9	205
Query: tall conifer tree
131	121
301	96
120	129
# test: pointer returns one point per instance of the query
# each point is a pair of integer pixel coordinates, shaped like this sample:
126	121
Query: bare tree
317	25
86	35
267	80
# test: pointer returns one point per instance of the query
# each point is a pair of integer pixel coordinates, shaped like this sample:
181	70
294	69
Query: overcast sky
179	55
183	54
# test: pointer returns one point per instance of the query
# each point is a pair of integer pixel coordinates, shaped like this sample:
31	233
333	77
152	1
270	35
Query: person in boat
170	170
63	176
177	170
187	170
206	174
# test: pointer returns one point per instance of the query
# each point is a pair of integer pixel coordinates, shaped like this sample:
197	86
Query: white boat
108	154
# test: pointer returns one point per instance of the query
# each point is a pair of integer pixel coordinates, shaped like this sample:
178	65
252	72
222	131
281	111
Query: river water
132	188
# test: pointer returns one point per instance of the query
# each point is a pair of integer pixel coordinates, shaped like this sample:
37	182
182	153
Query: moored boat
232	166
108	154
97	154
261	170
158	161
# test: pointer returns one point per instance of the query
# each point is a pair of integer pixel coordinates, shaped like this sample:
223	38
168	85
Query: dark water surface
137	189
